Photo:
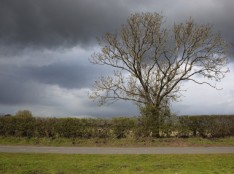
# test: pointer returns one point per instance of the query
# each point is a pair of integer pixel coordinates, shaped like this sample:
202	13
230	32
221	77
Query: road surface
114	150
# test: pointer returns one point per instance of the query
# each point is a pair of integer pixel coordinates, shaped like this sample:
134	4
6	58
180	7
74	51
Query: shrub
121	126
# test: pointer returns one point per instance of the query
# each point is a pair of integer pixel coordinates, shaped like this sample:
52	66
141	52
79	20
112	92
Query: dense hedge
206	126
65	127
184	126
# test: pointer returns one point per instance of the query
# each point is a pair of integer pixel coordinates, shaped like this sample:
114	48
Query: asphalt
114	150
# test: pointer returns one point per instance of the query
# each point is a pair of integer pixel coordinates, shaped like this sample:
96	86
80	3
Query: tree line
23	124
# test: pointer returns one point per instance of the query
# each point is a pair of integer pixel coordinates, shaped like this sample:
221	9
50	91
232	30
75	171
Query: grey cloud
66	23
15	89
120	108
17	92
16	81
31	88
56	23
66	75
218	13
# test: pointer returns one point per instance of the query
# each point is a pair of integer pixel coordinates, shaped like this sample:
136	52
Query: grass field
95	164
196	141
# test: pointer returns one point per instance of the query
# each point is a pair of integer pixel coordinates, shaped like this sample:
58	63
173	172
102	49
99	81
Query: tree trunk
156	123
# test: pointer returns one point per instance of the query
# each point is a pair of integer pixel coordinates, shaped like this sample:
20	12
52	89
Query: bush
24	114
45	127
122	126
183	129
205	126
7	126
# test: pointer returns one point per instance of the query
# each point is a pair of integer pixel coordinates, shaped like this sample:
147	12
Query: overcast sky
45	46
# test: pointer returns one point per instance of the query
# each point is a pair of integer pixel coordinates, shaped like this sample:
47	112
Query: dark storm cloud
17	93
18	84
218	13
65	75
56	23
65	23
15	87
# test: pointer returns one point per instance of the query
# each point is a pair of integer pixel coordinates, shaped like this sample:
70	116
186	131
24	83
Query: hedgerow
23	124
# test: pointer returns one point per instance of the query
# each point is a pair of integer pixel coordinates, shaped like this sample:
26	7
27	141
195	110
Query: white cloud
202	99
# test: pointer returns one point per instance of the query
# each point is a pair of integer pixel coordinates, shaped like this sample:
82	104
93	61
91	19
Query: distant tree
24	114
24	123
150	62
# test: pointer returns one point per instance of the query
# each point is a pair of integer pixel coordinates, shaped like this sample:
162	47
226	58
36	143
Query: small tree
24	123
24	114
151	62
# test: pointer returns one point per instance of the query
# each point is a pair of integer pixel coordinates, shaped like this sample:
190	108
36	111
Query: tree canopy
151	61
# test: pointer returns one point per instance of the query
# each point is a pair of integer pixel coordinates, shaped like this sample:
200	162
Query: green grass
88	164
147	142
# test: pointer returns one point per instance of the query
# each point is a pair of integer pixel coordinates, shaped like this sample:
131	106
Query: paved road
109	150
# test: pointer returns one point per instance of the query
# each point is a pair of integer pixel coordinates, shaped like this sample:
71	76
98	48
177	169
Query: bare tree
151	62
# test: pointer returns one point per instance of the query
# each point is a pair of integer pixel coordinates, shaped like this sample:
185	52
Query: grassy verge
61	164
147	142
